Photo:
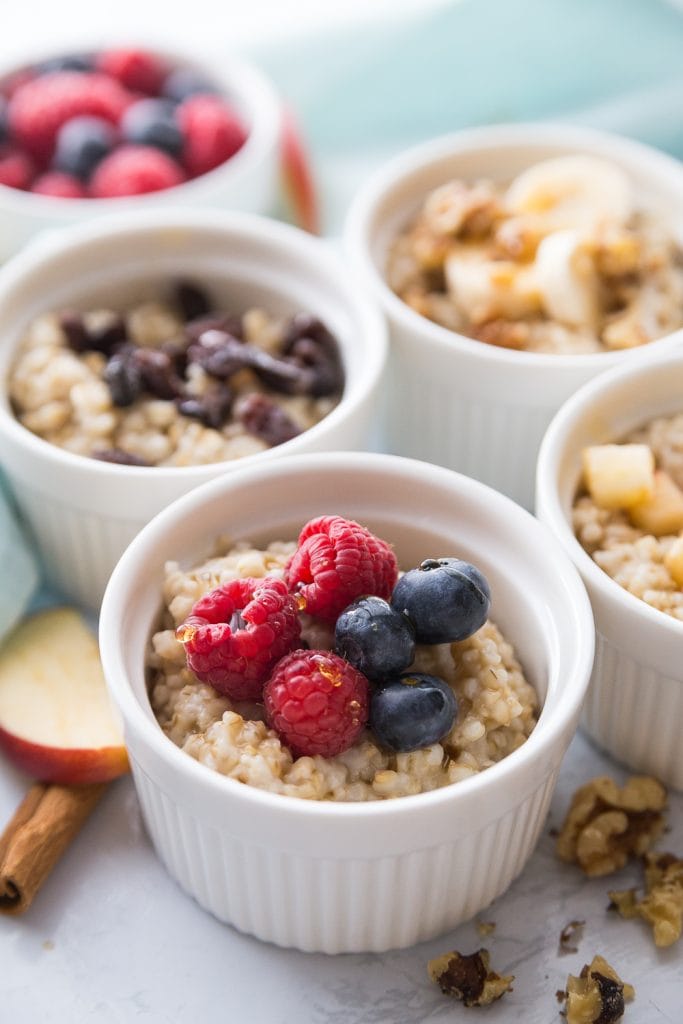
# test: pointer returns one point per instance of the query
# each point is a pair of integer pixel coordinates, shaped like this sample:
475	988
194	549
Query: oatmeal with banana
312	668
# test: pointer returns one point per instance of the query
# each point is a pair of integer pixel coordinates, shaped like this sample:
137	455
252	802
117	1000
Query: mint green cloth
18	566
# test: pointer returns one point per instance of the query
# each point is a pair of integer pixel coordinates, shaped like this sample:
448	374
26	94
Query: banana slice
567	279
484	289
573	192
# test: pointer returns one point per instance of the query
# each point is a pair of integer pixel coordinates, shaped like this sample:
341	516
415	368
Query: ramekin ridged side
477	408
340	877
84	512
634	704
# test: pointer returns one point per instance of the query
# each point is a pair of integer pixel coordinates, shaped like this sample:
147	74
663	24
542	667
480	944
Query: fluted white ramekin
634	707
248	181
339	877
474	407
83	512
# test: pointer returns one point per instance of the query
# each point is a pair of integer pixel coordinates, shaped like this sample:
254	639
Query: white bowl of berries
329	756
82	134
143	354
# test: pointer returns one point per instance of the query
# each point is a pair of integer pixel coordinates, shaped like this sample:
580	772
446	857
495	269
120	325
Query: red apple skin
297	177
66	766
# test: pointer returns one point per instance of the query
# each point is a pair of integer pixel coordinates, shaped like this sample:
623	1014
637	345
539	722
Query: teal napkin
18	566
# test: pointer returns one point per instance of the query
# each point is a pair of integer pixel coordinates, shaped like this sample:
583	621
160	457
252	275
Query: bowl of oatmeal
144	354
322	844
610	486
76	143
514	262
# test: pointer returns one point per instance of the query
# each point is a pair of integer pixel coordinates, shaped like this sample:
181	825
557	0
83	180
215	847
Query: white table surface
112	939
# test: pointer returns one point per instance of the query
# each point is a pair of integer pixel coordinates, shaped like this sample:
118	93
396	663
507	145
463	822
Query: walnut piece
606	824
597	996
468	977
570	936
662	904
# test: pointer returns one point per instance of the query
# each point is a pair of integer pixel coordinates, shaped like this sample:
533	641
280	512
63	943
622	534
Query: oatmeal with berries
629	513
561	260
308	668
173	382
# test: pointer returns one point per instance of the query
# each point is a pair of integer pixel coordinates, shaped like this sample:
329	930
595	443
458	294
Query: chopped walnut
597	996
662	904
503	333
605	824
570	936
486	927
467	977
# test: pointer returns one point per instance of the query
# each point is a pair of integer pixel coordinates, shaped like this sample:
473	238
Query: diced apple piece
619	475
662	513
674	561
56	721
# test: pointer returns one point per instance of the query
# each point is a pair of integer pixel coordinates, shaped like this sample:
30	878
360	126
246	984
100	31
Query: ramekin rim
548	505
546	732
501	135
285	237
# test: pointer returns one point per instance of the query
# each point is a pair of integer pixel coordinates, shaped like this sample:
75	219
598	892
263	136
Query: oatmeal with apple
629	513
564	259
174	381
312	668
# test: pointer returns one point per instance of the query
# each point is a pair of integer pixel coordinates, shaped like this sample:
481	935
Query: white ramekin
452	400
248	181
336	877
634	707
84	512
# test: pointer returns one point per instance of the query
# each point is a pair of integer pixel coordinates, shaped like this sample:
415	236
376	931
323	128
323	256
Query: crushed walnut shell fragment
606	824
570	936
468	977
662	904
596	996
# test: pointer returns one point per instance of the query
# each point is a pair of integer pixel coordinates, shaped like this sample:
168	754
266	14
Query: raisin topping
264	418
75	331
232	325
311	346
192	300
119	457
212	409
157	373
122	376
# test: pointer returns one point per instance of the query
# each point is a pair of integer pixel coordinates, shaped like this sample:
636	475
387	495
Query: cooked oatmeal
155	386
497	706
561	260
641	545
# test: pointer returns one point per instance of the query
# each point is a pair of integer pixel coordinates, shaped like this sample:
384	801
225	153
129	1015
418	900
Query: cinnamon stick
44	824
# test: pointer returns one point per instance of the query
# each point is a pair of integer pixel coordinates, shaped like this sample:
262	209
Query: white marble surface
112	939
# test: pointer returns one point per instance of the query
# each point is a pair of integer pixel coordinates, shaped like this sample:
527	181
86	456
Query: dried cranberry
122	376
264	418
212	409
192	300
120	457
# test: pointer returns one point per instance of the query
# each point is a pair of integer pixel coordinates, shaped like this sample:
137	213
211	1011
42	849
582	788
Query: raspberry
39	108
138	70
213	132
55	183
132	170
337	561
16	167
316	702
236	633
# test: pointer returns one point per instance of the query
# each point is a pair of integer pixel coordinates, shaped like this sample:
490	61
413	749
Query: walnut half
597	996
468	977
606	824
662	904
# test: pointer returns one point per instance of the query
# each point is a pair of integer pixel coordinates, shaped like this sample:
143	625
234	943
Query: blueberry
412	711
81	143
445	599
151	123
71	62
374	638
184	82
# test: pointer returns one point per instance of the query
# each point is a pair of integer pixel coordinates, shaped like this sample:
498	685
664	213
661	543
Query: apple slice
56	721
299	186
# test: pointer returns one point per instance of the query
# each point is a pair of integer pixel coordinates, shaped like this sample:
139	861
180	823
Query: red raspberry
337	561
235	634
16	167
316	702
213	132
56	183
39	108
132	170
138	70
